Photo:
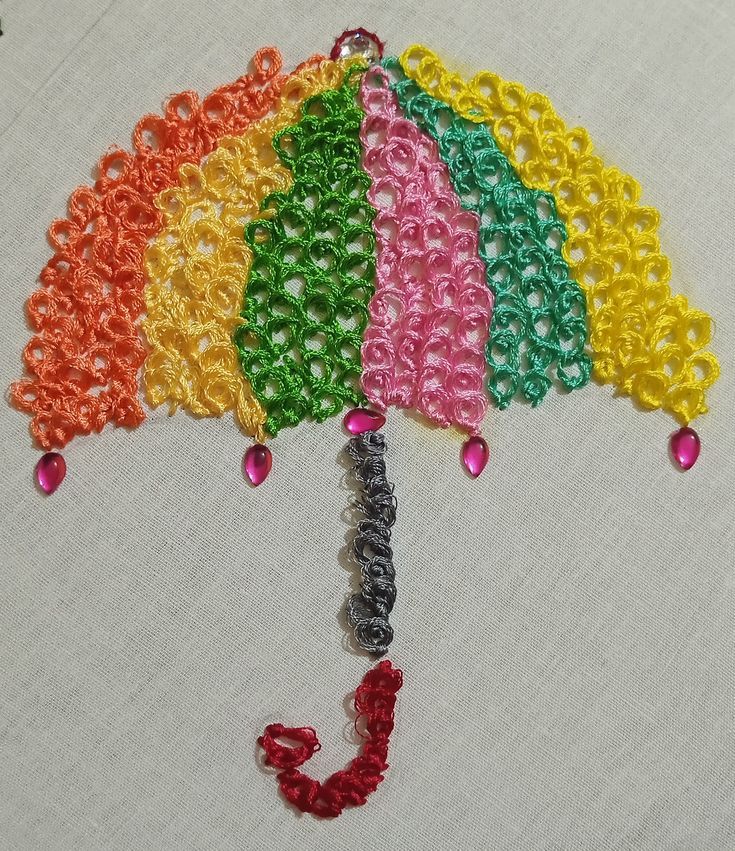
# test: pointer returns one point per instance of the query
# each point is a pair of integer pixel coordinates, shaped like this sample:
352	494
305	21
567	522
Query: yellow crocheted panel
199	264
645	340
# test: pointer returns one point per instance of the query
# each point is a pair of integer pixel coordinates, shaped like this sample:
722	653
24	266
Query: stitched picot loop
313	268
375	700
430	315
646	341
373	204
83	360
539	322
368	610
198	266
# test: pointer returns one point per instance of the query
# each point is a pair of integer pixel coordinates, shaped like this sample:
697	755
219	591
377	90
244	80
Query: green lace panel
313	268
540	315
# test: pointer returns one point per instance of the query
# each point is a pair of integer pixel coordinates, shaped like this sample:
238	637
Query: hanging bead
475	455
685	447
359	420
257	463
50	471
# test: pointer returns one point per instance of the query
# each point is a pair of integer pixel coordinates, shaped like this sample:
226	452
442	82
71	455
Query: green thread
540	314
313	269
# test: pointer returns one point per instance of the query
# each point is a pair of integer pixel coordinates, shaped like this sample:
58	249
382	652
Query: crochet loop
313	268
539	322
199	266
84	359
646	341
375	700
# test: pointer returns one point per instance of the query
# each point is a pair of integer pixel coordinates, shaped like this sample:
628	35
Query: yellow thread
199	264
646	341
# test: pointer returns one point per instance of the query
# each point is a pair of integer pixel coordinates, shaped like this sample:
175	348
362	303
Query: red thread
85	356
375	700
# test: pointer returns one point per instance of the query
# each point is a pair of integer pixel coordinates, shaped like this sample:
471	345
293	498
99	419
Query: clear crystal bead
359	45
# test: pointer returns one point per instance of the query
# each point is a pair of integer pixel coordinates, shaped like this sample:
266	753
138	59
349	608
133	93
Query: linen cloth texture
564	623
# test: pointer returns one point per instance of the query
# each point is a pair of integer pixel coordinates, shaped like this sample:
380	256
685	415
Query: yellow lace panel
645	341
199	264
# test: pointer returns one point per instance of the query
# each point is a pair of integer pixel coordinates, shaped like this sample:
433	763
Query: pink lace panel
430	315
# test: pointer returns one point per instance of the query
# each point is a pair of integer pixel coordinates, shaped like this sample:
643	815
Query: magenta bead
475	455
257	463
50	471
359	420
685	446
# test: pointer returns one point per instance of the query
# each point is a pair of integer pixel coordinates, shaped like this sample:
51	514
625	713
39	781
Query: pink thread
430	315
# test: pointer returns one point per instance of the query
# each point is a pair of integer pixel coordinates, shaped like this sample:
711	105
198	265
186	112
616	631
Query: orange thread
84	358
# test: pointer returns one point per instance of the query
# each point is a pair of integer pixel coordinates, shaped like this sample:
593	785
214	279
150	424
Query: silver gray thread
367	611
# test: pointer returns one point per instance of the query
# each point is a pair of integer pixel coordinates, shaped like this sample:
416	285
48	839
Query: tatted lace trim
199	264
313	268
431	311
84	358
645	341
539	322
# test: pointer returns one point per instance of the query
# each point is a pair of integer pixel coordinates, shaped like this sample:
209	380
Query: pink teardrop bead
257	463
359	420
475	455
50	471
685	446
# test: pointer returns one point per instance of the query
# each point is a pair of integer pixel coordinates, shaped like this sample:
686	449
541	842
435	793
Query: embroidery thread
199	265
84	358
430	315
539	322
313	268
367	611
645	340
347	233
375	701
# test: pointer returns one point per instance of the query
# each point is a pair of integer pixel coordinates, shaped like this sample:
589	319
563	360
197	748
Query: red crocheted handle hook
282	756
375	700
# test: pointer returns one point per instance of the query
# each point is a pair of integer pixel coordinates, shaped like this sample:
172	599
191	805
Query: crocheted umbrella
356	234
407	235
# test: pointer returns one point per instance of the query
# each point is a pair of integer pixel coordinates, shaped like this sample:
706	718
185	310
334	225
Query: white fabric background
565	623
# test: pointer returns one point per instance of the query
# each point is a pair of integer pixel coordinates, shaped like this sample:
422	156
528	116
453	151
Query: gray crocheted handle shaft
367	611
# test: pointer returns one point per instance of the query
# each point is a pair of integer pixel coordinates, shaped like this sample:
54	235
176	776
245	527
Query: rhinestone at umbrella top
358	42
